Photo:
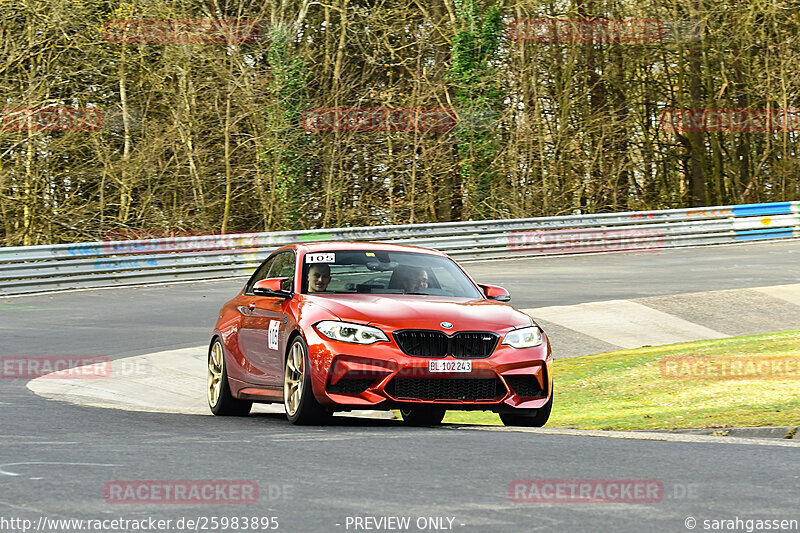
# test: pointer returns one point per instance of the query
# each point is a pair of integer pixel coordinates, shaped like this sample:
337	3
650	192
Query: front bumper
381	376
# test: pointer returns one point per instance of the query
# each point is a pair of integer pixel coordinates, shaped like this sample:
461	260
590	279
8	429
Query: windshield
378	272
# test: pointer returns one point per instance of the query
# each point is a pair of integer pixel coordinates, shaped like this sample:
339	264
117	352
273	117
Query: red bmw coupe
337	326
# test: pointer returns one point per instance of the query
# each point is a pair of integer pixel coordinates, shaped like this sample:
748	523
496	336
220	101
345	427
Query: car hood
422	312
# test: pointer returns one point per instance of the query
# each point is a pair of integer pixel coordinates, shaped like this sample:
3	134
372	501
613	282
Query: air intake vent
446	389
525	386
351	386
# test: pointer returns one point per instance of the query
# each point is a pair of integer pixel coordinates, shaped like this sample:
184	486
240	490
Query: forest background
367	112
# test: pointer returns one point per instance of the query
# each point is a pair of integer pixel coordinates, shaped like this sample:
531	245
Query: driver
319	275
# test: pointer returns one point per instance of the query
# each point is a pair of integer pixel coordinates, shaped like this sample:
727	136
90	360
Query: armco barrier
34	269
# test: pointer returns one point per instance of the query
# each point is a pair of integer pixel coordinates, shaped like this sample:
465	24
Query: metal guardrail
34	269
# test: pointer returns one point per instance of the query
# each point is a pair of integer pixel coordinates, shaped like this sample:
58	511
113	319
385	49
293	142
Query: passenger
319	275
415	280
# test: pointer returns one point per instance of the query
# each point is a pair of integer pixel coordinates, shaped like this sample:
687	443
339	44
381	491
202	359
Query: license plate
449	366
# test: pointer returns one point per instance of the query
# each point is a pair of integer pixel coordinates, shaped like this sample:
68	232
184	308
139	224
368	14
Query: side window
261	273
283	267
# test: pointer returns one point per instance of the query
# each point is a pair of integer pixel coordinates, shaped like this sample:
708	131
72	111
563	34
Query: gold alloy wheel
293	379
214	374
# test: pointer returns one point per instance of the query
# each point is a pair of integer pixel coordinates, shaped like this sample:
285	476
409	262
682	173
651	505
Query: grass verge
734	382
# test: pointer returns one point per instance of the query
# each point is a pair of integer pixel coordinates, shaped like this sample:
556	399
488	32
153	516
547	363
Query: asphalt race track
56	458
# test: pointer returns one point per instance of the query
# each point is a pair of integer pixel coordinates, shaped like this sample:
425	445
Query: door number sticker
274	328
321	258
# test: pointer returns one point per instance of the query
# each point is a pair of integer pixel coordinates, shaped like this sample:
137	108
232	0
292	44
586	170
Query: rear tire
299	402
535	418
423	415
220	399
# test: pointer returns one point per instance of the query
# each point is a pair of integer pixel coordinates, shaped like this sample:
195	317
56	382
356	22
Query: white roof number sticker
327	257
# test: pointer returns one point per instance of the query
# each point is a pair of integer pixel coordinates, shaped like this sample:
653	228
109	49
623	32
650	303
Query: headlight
524	337
347	332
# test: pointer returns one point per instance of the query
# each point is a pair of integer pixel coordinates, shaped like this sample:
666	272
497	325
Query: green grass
626	389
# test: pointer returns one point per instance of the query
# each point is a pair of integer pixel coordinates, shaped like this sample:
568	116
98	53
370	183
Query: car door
262	337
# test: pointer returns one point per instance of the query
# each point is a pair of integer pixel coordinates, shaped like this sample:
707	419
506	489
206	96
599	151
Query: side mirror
271	287
493	292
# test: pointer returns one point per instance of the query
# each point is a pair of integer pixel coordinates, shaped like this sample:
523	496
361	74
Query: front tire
299	402
535	419
220	400
423	415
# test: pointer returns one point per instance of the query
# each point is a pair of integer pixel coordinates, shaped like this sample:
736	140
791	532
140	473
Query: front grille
350	386
423	343
525	386
445	389
470	344
461	345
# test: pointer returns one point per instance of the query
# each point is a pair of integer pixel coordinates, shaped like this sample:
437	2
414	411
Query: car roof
359	245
